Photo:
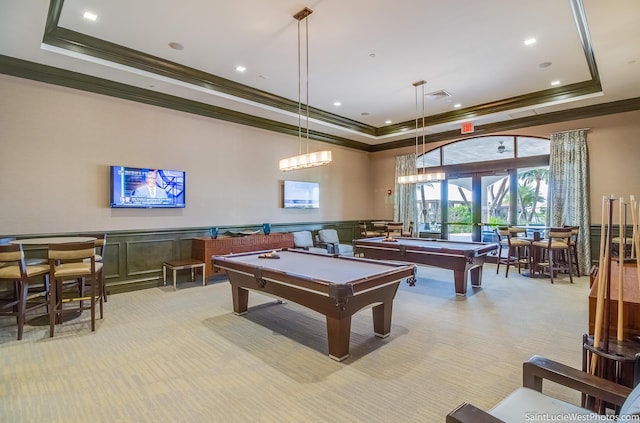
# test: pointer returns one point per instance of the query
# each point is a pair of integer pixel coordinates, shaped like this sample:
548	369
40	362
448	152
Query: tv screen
135	187
301	195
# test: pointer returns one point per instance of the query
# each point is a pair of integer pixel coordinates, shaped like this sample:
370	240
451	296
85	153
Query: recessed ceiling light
337	103
387	122
241	68
555	83
544	65
457	106
90	16
529	41
176	46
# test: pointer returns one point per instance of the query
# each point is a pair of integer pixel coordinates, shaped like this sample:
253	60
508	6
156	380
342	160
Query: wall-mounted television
137	187
301	195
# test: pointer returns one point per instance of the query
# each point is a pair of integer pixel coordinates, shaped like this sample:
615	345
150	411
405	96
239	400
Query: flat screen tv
136	187
301	195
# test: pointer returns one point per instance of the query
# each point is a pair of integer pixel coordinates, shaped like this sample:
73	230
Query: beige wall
614	151
57	145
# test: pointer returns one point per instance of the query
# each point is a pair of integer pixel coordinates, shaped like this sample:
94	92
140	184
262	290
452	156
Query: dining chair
365	233
516	246
553	253
380	228
409	232
100	246
395	229
573	247
74	261
28	260
16	300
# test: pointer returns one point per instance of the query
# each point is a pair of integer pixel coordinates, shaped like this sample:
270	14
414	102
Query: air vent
436	95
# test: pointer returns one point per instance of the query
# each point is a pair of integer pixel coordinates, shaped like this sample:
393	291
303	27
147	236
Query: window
503	178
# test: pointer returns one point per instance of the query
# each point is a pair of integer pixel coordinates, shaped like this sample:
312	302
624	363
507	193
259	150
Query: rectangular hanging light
422	177
318	158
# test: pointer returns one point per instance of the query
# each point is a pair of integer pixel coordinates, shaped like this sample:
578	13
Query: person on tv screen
151	188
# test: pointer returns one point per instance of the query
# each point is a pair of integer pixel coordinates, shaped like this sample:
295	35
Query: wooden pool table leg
382	319
476	276
460	280
240	300
338	334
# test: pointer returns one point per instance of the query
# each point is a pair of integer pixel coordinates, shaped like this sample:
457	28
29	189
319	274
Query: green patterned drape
568	198
405	204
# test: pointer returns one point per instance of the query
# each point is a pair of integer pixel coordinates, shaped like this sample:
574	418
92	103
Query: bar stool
573	247
74	261
555	247
17	301
409	232
365	233
395	228
516	246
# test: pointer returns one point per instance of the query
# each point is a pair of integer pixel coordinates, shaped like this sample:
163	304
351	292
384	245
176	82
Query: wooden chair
100	244
516	246
380	228
75	261
409	232
365	233
395	229
28	260
573	247
531	401
556	250
16	300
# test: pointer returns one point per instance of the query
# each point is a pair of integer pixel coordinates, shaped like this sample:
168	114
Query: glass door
429	210
494	204
460	204
477	203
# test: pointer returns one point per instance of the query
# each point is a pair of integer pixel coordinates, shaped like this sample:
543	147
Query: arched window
490	181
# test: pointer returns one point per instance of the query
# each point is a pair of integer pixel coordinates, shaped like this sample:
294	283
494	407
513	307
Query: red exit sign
466	128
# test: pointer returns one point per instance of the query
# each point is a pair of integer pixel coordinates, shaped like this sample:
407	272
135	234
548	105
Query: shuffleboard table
334	286
463	258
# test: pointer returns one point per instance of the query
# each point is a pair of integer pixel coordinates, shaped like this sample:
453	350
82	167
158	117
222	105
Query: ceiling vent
437	95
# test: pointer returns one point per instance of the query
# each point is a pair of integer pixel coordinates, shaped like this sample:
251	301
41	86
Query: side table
183	264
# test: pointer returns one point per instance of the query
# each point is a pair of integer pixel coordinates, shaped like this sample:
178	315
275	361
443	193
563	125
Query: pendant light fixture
307	159
420	176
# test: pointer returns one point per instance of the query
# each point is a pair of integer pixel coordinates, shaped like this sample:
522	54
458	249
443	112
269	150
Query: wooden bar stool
518	249
557	252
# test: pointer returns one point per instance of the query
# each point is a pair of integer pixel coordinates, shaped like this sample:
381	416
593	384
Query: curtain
406	204
568	198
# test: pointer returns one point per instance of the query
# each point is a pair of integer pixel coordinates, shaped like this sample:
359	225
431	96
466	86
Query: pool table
335	286
463	258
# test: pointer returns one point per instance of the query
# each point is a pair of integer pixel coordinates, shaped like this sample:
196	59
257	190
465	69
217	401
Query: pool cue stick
636	215
607	296
634	222
622	213
597	329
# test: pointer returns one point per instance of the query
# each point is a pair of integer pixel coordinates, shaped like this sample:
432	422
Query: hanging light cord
299	96
306	26
301	15
416	85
